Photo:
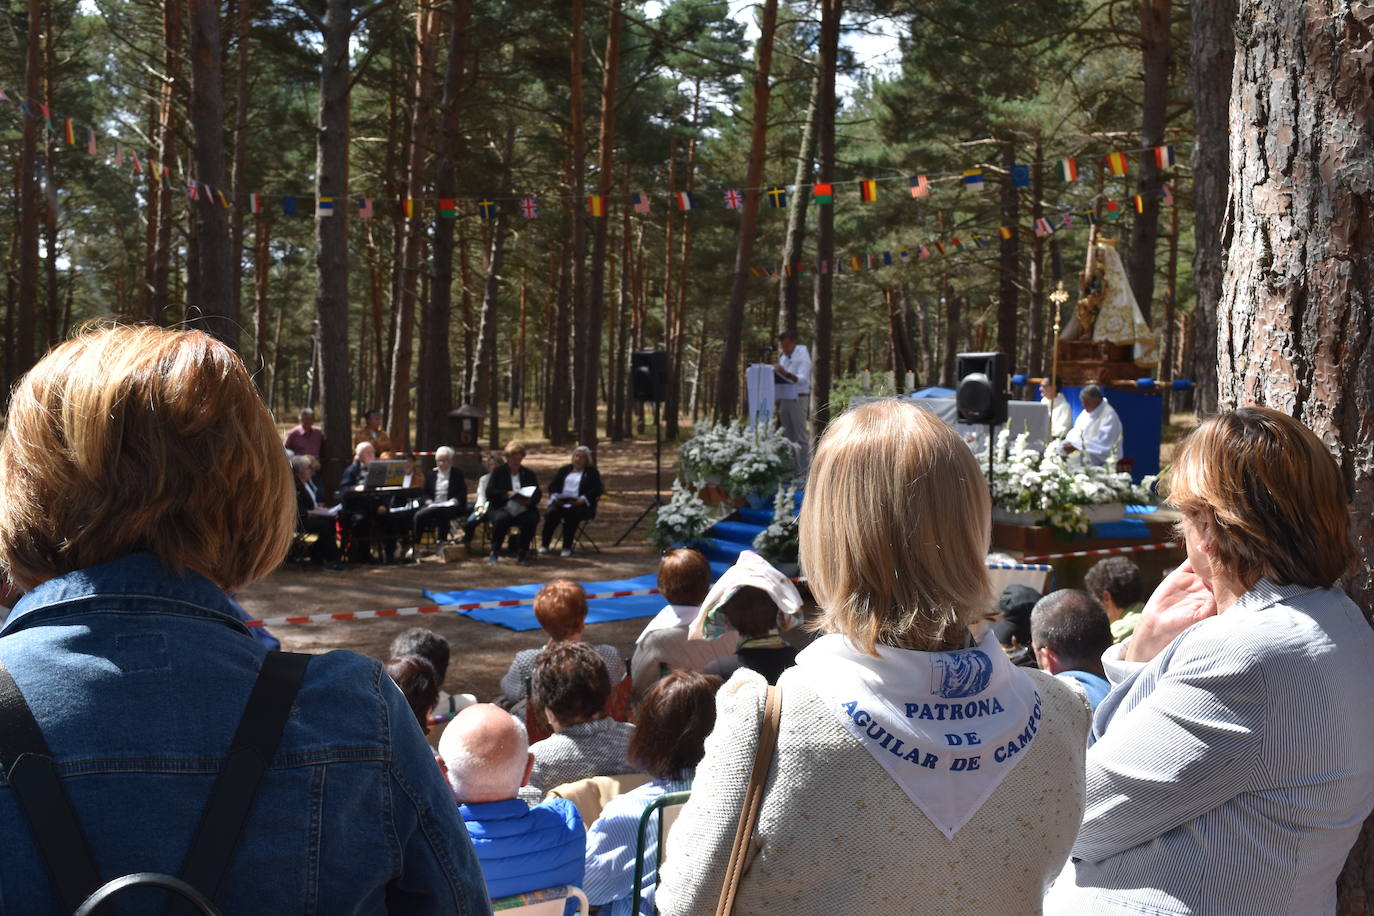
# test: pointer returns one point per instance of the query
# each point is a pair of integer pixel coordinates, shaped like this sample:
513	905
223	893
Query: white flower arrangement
778	542
741	458
685	518
1045	486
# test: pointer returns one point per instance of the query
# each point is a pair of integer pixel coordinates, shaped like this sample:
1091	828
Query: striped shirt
611	842
595	748
1232	773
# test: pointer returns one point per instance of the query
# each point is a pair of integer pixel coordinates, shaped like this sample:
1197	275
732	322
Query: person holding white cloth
1096	431
916	769
793	413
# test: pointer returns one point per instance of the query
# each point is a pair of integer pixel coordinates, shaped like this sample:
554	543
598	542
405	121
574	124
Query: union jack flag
640	202
733	199
529	207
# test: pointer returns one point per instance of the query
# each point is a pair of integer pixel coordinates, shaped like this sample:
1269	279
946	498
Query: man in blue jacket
520	848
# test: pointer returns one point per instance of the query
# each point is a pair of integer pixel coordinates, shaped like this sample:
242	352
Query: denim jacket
138	677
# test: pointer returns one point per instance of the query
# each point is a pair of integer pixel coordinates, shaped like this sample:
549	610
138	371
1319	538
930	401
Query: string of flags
777	197
1042	227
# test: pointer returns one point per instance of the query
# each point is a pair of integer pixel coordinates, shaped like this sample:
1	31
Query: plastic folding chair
664	810
547	902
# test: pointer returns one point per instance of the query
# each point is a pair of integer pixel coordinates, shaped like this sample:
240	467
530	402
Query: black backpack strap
43	801
250	755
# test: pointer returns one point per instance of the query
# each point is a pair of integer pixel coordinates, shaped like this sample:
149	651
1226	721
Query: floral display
685	518
778	542
1050	490
744	460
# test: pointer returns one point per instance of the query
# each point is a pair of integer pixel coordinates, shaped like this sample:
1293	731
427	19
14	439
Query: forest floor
481	652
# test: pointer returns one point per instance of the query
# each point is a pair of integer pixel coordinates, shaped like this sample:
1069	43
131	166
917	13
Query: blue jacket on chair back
138	677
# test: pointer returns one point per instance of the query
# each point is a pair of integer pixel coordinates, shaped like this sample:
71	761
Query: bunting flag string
921	185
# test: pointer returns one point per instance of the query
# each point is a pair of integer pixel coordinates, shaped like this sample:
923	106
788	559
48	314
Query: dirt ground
481	652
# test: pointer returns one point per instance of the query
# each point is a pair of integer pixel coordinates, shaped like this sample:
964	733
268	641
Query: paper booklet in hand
527	492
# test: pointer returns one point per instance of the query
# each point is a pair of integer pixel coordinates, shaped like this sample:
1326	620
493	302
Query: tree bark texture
403	344
1296	317
822	367
214	311
434	395
1009	254
158	306
790	286
236	218
577	142
485	392
594	306
727	385
1211	61
1155	49
22	357
331	244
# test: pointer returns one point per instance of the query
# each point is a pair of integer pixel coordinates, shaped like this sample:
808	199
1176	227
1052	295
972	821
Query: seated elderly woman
561	609
312	517
671	726
916	768
572	498
446	497
1233	764
570	687
126	554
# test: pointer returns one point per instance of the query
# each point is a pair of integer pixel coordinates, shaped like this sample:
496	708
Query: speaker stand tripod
657	501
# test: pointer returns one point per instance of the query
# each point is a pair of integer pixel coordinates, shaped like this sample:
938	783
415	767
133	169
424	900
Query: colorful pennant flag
192	192
957	245
1068	169
254	203
1113	210
1020	176
1139	203
687	200
855	263
1043	227
365	209
408	208
973	180
448	208
70	129
777	197
904	254
640	203
823	193
920	186
324	206
754	271
137	166
223	200
922	252
980	241
1117	163
47	114
3	97
1164	156
939	246
1006	232
596	205
1066	220
1168	196
887	259
288	205
487	208
529	208
733	199
868	190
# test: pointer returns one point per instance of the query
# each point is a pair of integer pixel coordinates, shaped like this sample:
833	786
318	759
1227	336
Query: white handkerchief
947	726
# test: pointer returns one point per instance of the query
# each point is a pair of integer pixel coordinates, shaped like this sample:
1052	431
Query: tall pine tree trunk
1008	294
331	243
214	311
236	219
822	368
1212	59
727	379
1155	48
26	322
1296	325
577	142
158	306
434	395
485	388
790	287
1035	324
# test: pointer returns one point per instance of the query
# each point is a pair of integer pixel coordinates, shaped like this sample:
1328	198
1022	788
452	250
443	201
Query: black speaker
649	375
982	393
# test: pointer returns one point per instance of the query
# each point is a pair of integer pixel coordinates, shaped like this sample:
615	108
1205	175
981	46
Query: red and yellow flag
408	207
1117	163
1005	232
868	190
70	128
596	205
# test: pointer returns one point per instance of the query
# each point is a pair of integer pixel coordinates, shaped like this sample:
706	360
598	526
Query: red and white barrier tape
1105	552
425	609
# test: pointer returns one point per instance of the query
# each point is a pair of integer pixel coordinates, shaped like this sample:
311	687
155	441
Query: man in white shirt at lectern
793	413
1096	431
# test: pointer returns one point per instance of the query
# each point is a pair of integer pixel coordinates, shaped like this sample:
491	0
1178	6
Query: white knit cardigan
837	836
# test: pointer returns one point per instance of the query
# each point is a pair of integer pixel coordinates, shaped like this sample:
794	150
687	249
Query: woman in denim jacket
143	479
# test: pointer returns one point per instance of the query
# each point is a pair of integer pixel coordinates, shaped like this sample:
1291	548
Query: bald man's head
487	754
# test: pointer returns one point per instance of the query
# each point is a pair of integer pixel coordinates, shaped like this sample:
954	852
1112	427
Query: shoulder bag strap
236	786
753	800
38	790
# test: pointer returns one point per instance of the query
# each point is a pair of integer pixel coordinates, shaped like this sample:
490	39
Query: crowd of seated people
1228	769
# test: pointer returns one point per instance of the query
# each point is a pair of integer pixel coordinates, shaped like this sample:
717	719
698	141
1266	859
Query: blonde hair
1274	493
515	448
894	530
128	439
561	609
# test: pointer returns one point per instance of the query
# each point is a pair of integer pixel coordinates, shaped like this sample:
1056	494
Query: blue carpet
1126	528
522	617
